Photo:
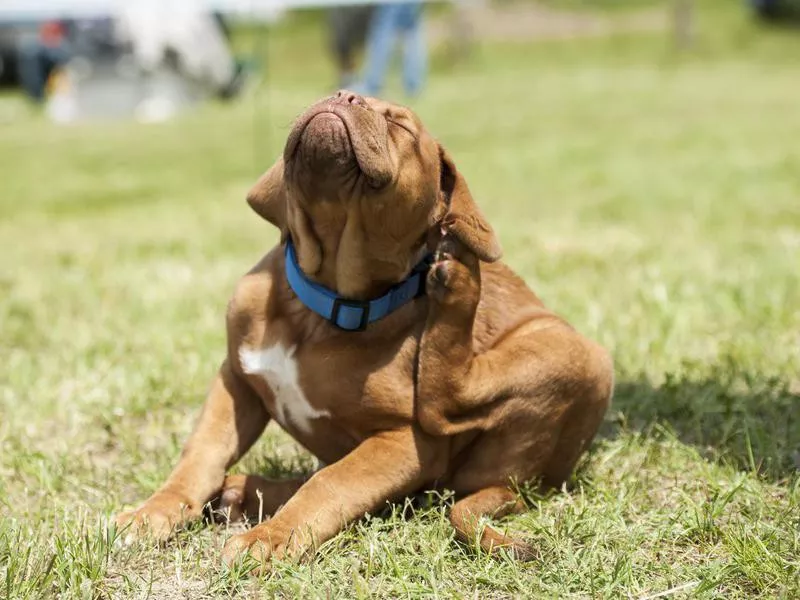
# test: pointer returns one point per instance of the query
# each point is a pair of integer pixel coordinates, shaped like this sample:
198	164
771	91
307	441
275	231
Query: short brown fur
471	388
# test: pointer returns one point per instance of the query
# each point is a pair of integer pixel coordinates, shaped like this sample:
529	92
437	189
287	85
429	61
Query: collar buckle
339	302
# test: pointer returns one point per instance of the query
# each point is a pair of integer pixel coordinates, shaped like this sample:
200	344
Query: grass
651	198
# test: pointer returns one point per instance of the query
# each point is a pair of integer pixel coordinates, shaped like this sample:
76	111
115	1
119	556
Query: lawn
651	198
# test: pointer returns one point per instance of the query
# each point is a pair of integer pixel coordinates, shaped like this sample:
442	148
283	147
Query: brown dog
470	387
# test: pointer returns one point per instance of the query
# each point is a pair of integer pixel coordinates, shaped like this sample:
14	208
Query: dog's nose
347	97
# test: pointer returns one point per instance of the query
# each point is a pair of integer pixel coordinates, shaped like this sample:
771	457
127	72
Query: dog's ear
462	216
268	197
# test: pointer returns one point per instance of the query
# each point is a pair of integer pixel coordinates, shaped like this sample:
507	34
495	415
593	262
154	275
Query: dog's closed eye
393	121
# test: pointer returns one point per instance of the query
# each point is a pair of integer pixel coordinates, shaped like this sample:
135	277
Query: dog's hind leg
253	497
493	502
542	371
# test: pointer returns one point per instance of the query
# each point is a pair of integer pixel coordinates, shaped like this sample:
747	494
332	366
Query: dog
385	335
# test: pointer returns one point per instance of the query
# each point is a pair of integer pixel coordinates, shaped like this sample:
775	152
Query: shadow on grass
750	421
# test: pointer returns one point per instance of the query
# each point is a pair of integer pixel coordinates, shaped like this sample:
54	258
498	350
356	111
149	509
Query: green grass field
651	198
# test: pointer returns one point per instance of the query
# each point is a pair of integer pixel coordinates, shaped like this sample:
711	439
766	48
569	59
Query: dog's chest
278	366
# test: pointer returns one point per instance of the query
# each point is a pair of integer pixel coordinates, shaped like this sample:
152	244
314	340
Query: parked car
9	42
12	32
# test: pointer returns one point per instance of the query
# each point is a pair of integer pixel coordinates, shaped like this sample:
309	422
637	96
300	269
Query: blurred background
640	160
87	59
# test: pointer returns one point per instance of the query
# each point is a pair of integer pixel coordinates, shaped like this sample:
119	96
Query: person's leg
380	44
415	56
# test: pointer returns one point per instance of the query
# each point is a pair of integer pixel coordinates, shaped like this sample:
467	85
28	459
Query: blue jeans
390	21
35	62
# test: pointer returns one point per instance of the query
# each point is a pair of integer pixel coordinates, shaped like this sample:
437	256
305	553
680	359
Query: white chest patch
278	367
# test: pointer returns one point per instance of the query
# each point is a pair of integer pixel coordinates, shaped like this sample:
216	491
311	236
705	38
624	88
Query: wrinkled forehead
392	110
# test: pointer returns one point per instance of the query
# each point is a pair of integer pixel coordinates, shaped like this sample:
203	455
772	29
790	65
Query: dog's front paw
262	544
155	519
454	277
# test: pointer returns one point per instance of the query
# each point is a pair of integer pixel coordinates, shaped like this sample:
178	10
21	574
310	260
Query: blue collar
352	315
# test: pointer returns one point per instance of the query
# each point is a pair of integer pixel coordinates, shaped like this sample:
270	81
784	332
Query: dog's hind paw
454	276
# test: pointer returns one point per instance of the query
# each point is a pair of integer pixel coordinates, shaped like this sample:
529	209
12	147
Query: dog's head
364	191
